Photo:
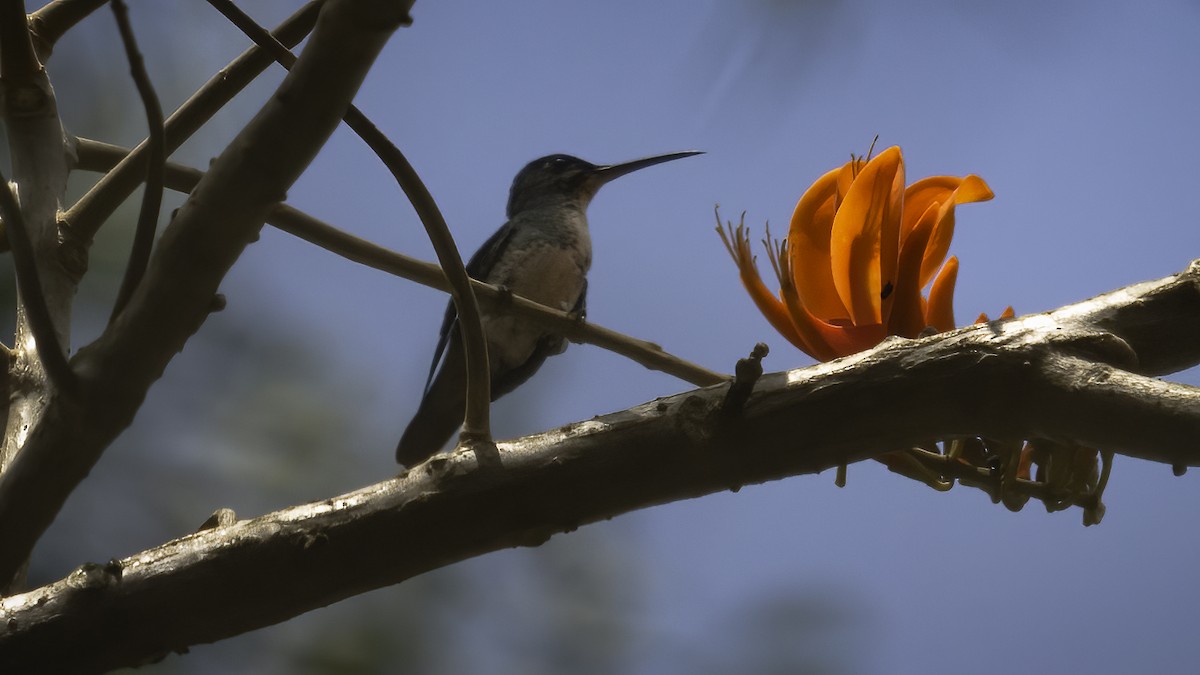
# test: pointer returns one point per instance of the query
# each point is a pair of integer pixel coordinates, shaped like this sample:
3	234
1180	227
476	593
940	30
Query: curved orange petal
830	340
940	310
889	242
970	189
805	325
854	240
768	304
808	248
907	316
1008	313
851	339
973	189
919	195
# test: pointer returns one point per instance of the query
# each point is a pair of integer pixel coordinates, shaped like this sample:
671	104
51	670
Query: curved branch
1005	380
143	238
97	156
477	422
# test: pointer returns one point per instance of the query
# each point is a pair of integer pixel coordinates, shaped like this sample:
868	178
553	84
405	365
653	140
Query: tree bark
197	248
1081	374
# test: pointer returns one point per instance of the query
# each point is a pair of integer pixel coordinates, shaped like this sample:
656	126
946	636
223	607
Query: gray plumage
543	253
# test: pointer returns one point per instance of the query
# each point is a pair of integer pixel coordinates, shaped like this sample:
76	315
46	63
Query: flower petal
854	240
907	316
770	306
830	341
922	193
970	189
805	326
808	249
940	311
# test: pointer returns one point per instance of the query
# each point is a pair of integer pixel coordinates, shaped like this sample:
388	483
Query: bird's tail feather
438	417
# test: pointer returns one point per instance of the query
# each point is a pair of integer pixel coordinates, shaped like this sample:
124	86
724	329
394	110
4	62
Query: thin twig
29	283
143	237
86	216
476	425
98	156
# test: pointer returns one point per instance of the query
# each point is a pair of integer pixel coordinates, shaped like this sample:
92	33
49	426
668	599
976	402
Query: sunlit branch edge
1039	376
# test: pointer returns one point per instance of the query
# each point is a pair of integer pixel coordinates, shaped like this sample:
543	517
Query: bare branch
26	95
224	214
97	156
55	18
143	238
85	217
477	423
29	283
1009	379
39	155
19	63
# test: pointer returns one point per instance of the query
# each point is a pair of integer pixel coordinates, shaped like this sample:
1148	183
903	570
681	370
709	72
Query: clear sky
1082	118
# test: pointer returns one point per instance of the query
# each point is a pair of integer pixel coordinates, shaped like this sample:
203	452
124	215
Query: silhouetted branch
38	153
25	94
85	217
226	211
1057	375
143	238
476	423
18	61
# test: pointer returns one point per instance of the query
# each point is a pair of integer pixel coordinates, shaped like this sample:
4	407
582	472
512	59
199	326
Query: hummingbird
543	253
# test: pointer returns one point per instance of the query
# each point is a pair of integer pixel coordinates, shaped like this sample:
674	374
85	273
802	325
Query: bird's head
555	179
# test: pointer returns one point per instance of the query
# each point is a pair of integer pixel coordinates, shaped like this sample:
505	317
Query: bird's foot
504	295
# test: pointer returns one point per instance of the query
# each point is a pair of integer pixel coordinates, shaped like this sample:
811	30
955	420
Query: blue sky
1081	117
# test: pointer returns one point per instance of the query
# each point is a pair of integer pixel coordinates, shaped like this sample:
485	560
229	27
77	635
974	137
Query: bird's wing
485	258
548	346
478	267
448	324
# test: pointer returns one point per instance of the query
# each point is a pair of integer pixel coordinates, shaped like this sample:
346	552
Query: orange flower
859	252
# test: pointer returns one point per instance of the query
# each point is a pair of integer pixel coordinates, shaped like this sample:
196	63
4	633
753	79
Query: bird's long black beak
604	174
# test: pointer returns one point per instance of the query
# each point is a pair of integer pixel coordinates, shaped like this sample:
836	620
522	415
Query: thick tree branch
1013	379
39	173
97	156
19	63
37	311
223	215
